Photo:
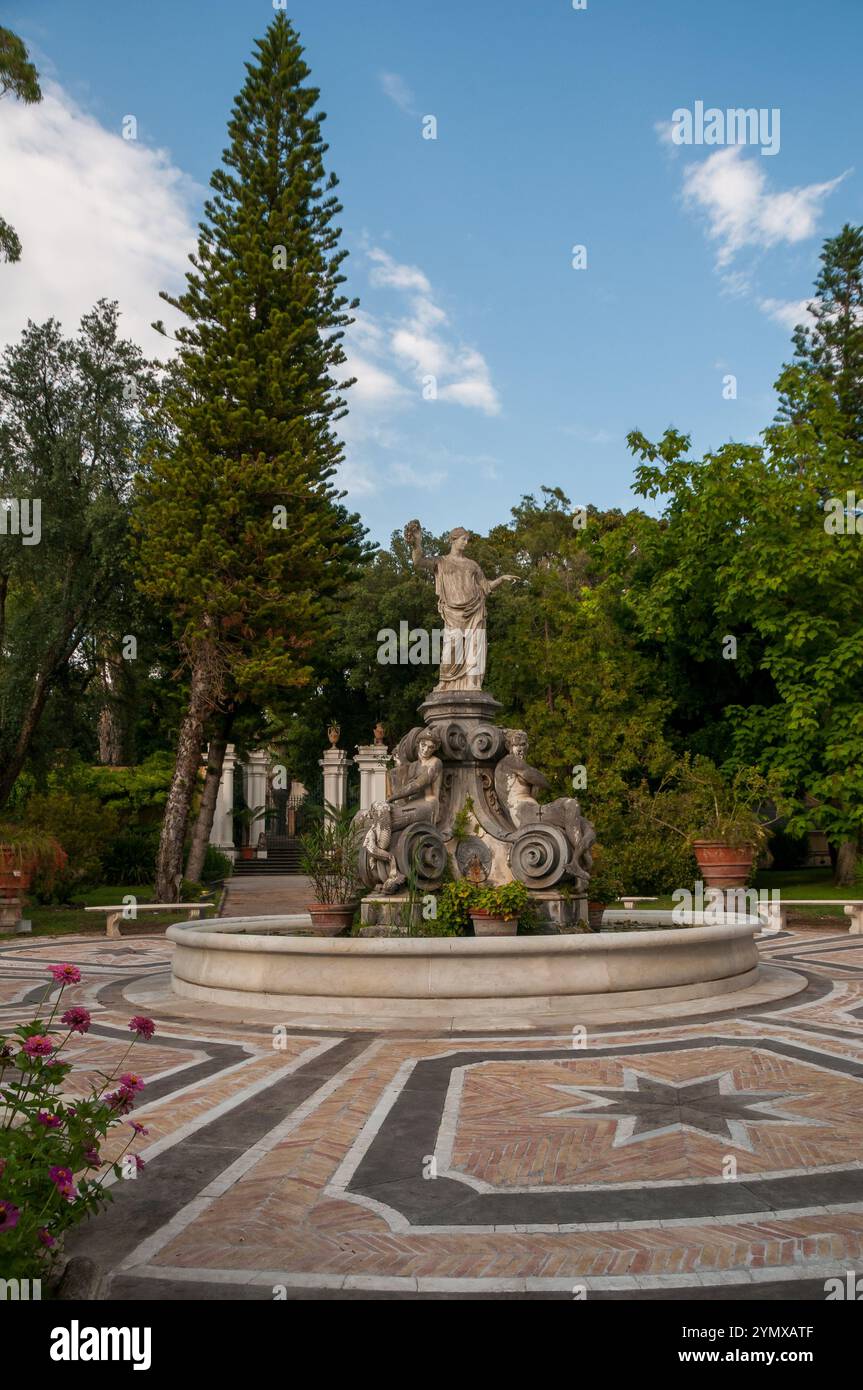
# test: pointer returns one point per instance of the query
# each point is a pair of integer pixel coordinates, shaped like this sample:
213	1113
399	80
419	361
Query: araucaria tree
242	535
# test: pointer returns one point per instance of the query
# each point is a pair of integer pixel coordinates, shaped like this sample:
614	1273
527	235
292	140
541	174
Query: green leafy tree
18	76
832	346
242	535
72	423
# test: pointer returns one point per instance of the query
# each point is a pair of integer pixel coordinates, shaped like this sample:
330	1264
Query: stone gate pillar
371	759
335	766
222	833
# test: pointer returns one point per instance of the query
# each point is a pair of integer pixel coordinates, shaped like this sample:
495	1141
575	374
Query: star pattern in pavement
647	1107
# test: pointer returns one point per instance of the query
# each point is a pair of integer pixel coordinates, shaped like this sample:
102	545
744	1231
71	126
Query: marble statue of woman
461	589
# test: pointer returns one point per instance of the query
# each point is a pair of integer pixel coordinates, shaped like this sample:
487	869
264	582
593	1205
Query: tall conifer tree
242	534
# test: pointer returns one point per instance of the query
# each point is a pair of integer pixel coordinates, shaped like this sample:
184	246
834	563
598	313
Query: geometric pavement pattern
710	1156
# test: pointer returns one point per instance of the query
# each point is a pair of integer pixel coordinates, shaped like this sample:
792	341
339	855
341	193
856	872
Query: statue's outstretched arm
414	538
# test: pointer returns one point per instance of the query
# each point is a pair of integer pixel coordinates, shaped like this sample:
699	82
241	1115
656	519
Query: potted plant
605	887
495	911
721	817
23	854
246	818
329	855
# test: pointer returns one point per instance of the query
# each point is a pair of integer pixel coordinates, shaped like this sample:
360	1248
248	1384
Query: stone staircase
283	857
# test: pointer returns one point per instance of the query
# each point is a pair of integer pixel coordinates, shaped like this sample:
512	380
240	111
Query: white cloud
98	217
732	191
398	91
417	341
388	274
787	312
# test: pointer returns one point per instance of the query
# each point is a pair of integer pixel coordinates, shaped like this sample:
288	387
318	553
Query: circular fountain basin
257	962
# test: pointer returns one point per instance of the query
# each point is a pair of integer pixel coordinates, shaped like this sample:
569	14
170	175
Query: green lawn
795	883
72	919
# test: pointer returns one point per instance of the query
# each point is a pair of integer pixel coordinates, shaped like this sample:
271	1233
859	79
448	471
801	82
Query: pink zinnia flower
138	1128
131	1081
92	1158
66	974
62	1180
77	1019
39	1046
121	1100
144	1027
46	1237
49	1121
9	1215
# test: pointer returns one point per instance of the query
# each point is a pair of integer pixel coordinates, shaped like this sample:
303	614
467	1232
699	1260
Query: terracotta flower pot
484	924
15	878
331	919
723	866
595	914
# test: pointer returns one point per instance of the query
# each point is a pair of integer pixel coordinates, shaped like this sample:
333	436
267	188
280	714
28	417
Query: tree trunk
202	696
57	657
207	809
846	863
111	724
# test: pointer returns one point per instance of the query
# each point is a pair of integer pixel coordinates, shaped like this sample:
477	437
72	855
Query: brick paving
712	1155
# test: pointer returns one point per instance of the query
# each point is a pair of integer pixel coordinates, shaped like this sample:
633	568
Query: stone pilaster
371	759
335	766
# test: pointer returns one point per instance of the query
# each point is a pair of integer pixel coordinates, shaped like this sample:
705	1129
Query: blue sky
552	131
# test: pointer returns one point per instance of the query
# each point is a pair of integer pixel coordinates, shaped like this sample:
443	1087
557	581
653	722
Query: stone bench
776	914
629	901
127	912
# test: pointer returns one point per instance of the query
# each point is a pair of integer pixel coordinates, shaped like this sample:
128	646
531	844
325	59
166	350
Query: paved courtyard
707	1156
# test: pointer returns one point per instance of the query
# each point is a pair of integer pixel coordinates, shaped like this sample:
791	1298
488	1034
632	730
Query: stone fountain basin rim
241	936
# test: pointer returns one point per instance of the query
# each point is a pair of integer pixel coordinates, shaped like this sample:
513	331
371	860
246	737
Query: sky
491	358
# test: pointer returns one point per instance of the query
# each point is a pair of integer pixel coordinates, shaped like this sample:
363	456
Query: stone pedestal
470	823
371	759
335	766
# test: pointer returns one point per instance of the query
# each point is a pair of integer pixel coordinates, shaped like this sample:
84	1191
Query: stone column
371	759
257	768
222	833
335	766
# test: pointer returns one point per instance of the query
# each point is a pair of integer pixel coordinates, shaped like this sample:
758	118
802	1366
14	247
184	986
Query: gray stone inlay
391	1170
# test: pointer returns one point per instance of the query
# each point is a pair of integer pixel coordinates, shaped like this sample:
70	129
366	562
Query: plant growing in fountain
329	855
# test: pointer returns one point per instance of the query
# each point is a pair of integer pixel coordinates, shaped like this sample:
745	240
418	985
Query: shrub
131	856
216	865
653	863
85	829
454	902
48	1148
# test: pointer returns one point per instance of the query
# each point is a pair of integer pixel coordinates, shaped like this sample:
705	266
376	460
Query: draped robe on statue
461	590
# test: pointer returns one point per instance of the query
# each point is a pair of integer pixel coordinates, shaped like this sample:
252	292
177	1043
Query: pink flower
139	1162
39	1046
62	1180
49	1121
138	1128
92	1158
9	1215
77	1019
46	1237
66	974
121	1101
131	1081
144	1027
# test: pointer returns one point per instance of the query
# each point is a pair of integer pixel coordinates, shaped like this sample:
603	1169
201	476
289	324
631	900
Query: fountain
463	799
